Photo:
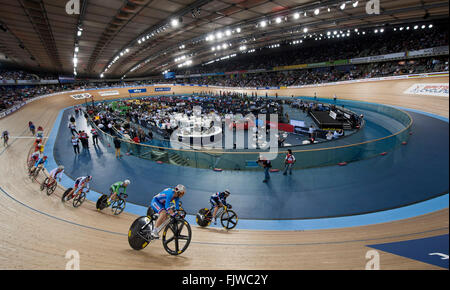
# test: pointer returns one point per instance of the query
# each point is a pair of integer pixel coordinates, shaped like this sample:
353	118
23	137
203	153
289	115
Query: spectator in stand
138	147
110	128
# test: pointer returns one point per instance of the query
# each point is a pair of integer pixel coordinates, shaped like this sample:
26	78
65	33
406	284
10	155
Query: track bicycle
78	196
228	218
33	173
176	235
117	206
50	186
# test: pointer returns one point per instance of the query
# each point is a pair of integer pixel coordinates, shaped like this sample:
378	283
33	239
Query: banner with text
437	89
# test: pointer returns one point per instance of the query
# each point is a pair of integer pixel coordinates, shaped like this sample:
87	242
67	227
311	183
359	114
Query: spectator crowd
310	51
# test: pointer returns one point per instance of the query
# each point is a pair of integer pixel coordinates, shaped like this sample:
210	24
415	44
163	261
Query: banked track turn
36	231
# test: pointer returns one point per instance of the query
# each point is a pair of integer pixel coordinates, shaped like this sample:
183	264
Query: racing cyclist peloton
161	203
81	183
114	190
217	200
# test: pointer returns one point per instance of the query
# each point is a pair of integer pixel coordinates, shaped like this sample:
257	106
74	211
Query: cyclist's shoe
215	221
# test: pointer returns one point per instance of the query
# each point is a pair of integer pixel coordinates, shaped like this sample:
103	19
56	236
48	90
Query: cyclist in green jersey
114	189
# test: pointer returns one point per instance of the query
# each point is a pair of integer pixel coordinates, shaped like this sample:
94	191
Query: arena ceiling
141	37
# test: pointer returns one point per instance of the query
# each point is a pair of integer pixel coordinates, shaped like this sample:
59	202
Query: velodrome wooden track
36	231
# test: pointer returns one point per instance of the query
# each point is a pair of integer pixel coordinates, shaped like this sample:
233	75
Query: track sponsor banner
65	80
137	91
378	57
119	87
429	51
257	70
268	88
318	64
108	93
426	51
34	82
391	78
81	96
11	110
291	67
340	62
49	82
437	89
164	89
28	82
8	82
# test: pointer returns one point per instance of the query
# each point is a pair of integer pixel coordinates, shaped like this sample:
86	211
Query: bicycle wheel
229	219
102	202
78	200
139	233
177	236
118	206
44	184
52	188
64	196
203	217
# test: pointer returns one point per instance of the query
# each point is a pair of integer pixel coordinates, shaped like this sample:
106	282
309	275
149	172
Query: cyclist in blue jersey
217	200
162	204
40	163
